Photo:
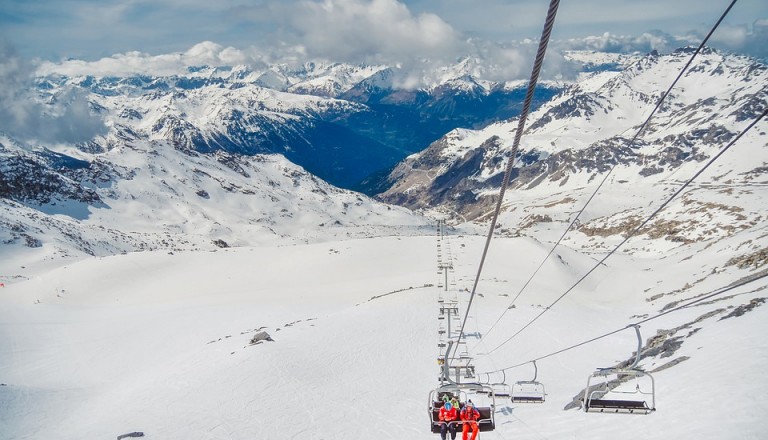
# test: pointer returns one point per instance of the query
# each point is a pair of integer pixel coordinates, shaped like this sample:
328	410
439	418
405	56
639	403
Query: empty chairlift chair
621	390
500	389
529	391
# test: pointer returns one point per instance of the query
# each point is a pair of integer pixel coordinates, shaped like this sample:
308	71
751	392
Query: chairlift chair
461	374
449	309
529	391
464	392
608	397
602	398
500	389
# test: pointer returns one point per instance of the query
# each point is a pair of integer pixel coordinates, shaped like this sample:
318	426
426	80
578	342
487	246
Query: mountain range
573	141
211	154
344	123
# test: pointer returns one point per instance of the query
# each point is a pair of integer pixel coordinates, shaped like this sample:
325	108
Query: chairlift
461	391
500	389
461	373
449	309
460	370
609	396
529	391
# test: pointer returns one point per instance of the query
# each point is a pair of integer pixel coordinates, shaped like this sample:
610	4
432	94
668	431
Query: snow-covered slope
145	195
161	344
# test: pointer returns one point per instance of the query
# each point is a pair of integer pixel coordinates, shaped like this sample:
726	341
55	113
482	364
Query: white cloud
646	42
361	30
496	62
133	63
66	120
372	31
388	32
750	40
735	38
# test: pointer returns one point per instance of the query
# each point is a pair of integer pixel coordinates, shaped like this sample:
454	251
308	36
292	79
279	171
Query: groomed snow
158	343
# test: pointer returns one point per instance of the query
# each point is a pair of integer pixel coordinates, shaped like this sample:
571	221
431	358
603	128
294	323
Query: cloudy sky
345	30
124	37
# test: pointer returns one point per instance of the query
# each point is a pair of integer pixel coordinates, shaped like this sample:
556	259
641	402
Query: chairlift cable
545	35
717	292
638	228
745	281
605	178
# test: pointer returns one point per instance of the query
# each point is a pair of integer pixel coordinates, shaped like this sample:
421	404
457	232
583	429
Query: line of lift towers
458	377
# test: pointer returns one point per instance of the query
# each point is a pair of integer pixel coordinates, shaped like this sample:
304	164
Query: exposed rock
37	179
220	243
623	228
744	308
260	337
535	218
751	261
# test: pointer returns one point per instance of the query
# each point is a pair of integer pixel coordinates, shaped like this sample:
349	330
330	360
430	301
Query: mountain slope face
148	195
341	122
572	143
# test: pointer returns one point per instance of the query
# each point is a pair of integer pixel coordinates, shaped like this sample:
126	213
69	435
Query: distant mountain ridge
344	123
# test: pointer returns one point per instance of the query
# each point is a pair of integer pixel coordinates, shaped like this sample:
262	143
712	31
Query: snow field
159	343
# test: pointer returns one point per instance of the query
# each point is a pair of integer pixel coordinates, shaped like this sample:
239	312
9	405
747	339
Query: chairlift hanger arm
639	345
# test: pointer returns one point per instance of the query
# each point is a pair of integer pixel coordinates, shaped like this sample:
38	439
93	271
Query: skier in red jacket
469	415
447	415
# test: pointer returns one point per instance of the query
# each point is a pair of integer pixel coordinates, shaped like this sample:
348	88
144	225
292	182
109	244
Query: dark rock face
260	337
742	309
456	187
40	178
